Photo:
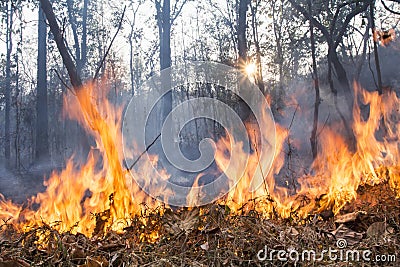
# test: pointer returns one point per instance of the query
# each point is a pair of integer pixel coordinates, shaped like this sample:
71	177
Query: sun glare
250	69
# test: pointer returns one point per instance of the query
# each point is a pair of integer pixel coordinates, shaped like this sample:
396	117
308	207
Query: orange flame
338	172
75	194
384	37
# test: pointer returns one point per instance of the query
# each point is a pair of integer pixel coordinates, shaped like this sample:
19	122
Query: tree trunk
131	68
339	69
343	81
165	38
241	32
344	110
259	76
376	54
72	22
84	37
42	145
361	61
18	100
277	29
67	60
73	73
9	23
313	139
164	27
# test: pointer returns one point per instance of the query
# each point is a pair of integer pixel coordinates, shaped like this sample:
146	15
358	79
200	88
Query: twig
370	67
259	165
325	123
294	114
109	47
147	148
389	9
289	154
63	82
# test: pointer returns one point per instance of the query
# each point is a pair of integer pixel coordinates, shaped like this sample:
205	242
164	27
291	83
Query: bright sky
183	29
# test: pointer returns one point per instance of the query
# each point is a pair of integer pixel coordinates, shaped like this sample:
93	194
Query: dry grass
212	236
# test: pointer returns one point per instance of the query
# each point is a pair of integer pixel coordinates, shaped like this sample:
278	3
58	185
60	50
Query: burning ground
95	214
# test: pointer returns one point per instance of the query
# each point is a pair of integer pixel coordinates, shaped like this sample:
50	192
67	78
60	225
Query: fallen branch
147	148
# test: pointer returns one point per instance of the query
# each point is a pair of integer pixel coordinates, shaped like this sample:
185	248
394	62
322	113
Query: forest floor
365	233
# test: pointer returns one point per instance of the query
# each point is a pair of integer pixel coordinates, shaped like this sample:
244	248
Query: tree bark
67	59
361	61
84	37
131	68
333	40
340	71
72	22
164	28
241	32
376	53
313	139
42	145
259	75
9	44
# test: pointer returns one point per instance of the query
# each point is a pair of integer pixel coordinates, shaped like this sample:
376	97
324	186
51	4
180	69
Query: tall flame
337	171
75	194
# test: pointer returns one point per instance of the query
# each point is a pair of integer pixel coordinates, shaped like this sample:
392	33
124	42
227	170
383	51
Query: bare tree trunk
376	54
9	43
42	137
241	32
84	37
277	29
17	98
259	75
313	139
131	52
73	72
72	22
131	68
164	28
361	62
67	60
340	72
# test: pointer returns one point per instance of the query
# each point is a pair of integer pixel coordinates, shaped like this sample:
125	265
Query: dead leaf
349	217
95	262
14	263
351	237
292	231
205	246
184	222
379	229
77	253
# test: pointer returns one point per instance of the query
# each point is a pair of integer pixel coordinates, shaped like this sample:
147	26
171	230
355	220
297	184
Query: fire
92	200
75	196
384	37
337	171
